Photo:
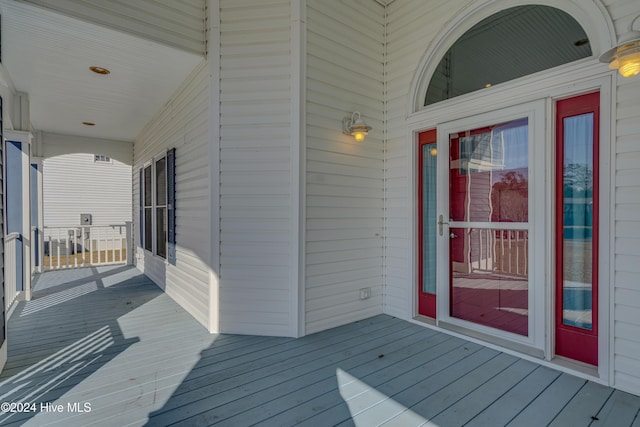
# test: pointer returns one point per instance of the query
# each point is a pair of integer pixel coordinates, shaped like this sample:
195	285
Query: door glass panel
578	221
489	173
429	213
488	186
489	282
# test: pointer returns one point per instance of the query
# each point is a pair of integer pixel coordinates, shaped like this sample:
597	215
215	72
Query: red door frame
426	301
573	342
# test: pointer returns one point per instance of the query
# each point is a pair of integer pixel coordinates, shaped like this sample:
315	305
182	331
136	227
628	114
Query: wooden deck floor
108	342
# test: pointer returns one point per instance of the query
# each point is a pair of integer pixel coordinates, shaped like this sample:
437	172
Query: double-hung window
157	210
148	208
161	206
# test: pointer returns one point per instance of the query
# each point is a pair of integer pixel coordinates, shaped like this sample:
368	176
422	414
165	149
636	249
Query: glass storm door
488	226
577	199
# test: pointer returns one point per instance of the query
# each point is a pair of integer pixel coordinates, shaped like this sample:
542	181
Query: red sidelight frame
570	341
426	301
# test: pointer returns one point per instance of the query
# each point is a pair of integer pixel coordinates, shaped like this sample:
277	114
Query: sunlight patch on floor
61	297
369	407
29	386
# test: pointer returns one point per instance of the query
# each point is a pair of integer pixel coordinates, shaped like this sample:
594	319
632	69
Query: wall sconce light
625	57
355	126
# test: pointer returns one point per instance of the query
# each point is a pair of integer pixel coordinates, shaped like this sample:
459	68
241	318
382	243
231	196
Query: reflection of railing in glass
489	277
498	251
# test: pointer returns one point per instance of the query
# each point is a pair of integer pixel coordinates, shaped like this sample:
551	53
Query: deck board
542	410
621	409
320	377
586	404
511	403
108	336
488	392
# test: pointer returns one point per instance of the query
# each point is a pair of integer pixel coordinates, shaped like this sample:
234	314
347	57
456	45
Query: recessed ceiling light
487	85
88	123
99	70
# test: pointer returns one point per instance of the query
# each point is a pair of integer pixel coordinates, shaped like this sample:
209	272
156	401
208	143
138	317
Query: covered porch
105	346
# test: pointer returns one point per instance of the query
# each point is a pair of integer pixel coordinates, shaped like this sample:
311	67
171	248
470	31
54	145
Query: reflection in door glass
578	221
489	174
489	187
489	280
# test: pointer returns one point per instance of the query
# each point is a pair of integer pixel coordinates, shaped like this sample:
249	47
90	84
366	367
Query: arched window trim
590	14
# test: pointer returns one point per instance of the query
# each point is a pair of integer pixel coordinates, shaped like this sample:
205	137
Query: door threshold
425	319
575	365
559	363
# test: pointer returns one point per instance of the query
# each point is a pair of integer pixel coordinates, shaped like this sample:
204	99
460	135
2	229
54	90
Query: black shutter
141	186
171	206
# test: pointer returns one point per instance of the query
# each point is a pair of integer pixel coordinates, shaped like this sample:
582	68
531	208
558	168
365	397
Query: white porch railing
10	269
85	246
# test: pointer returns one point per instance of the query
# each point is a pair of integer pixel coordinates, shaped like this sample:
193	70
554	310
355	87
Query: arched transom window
512	43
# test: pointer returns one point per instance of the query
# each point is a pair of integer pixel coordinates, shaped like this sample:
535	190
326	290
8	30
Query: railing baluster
66	249
84	246
58	249
526	252
113	244
509	248
75	246
517	251
494	250
480	254
487	244
81	246
91	238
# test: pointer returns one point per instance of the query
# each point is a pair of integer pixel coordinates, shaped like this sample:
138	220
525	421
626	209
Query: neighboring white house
85	183
259	215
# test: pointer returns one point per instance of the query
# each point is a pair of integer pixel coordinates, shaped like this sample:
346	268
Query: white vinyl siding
344	179
411	27
49	145
183	124
256	196
626	314
74	184
174	23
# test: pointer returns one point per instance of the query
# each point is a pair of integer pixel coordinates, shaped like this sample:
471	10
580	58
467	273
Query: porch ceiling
47	55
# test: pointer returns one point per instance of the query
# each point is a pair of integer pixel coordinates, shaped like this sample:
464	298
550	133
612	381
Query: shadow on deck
105	346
